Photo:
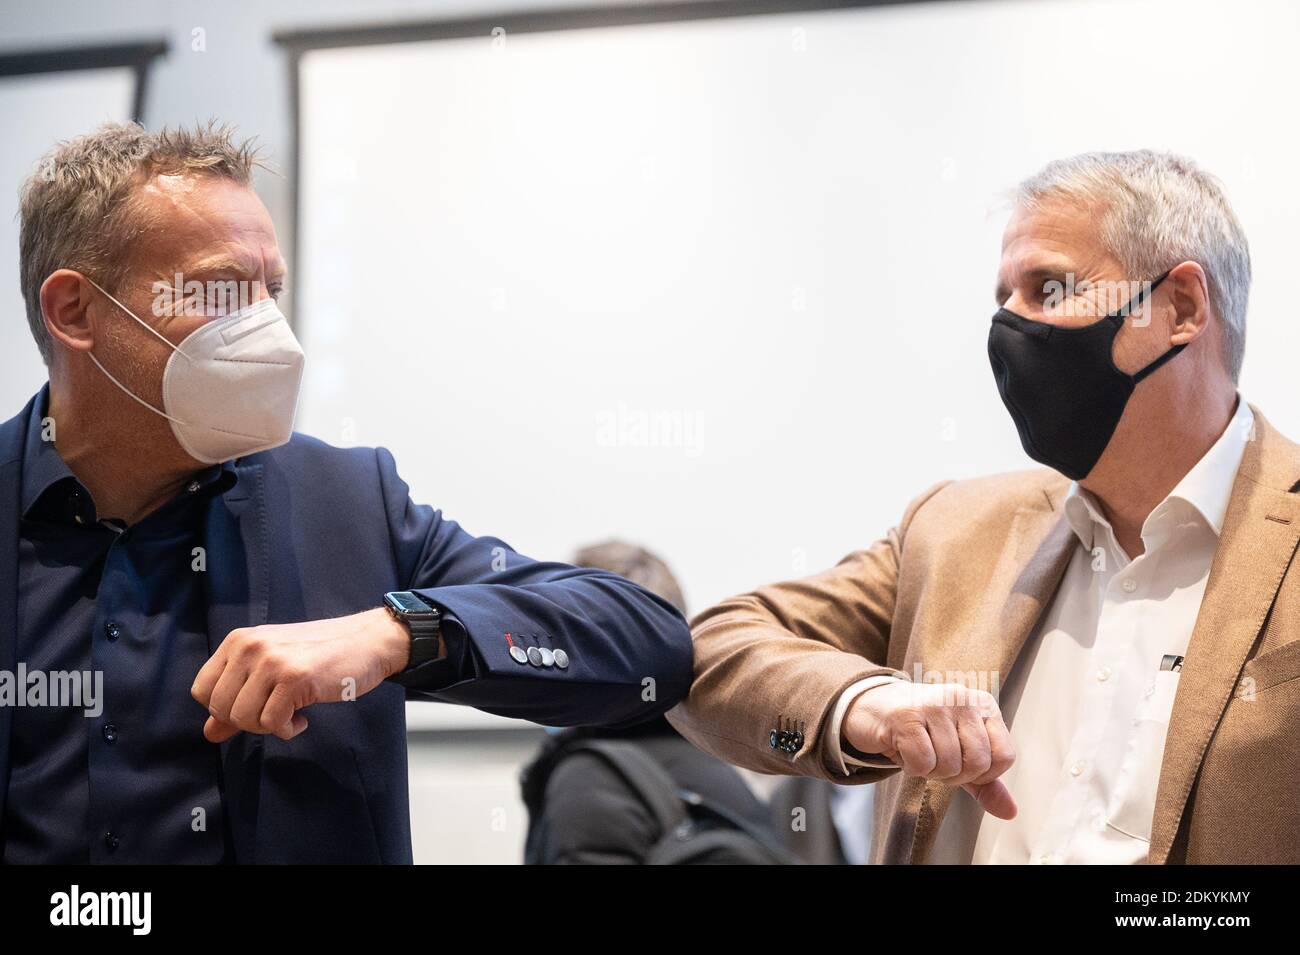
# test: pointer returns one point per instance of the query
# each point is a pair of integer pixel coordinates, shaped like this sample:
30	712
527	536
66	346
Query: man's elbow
678	663
661	664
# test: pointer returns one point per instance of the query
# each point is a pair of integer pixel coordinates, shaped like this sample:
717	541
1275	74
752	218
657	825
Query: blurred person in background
822	823
640	795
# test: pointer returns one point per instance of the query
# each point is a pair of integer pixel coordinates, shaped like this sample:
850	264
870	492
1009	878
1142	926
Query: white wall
47	107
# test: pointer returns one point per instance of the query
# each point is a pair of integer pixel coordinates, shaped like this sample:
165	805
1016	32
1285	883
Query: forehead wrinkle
1066	228
217	249
177	193
174	212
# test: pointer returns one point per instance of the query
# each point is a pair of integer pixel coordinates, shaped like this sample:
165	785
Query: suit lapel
238	586
1259	537
10	495
13	435
1028	572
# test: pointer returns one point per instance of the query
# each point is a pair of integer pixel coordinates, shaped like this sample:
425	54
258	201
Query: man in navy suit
209	624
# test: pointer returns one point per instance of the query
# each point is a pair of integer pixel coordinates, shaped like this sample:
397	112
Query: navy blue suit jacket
311	531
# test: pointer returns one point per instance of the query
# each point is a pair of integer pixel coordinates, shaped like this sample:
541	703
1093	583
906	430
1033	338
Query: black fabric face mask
1061	385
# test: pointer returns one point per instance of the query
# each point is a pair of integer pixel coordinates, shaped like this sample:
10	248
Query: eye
274	290
190	304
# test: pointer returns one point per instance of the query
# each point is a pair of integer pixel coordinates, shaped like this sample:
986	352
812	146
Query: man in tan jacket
1095	661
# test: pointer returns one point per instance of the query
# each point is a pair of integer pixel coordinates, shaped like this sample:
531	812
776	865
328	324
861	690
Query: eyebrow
219	264
1037	276
221	260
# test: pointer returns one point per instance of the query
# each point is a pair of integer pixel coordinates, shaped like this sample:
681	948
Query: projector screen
723	287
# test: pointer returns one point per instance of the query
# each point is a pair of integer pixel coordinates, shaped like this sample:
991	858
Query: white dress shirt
1087	702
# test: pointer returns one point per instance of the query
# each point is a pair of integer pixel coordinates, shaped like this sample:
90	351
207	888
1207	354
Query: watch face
408	603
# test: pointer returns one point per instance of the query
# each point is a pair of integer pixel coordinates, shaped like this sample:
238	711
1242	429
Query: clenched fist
260	677
941	731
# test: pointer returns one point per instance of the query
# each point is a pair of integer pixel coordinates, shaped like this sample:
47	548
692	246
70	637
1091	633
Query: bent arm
770	666
628	653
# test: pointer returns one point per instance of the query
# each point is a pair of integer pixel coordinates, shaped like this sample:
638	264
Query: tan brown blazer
958	586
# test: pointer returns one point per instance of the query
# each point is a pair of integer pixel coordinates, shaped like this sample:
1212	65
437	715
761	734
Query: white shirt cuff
837	720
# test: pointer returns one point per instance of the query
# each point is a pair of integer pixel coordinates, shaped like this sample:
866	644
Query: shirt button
1129	585
110	732
1077	769
1103	674
111	840
112	630
193	486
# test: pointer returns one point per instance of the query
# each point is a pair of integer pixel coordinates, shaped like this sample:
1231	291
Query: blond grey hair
1155	210
76	210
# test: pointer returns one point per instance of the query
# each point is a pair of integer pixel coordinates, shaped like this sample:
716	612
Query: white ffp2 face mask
231	387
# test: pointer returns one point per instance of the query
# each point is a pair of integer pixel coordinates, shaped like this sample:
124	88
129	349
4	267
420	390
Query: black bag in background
598	800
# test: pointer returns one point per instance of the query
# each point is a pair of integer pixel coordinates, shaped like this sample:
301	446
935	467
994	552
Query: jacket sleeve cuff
456	664
841	760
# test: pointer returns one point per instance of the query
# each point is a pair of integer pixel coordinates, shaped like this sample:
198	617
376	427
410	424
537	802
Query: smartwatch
422	621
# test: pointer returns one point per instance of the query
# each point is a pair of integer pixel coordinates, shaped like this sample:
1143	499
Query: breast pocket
1278	666
1133	803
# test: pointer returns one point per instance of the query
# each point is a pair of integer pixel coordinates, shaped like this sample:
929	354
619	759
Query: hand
260	677
942	731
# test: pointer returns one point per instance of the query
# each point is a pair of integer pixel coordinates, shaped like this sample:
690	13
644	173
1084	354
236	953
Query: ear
65	299
1189	294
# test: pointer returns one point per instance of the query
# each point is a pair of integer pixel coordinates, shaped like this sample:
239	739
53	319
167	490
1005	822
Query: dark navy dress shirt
125	605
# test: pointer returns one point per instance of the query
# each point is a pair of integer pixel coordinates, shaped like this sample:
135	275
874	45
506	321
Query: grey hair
75	209
1154	211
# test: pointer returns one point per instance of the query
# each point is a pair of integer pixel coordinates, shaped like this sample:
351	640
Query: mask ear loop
125	390
1170	353
1137	300
1158	362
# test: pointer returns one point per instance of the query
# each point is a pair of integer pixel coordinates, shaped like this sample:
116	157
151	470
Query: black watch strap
424	622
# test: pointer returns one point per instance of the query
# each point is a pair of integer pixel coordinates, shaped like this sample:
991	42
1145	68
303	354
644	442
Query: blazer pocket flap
1274	667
